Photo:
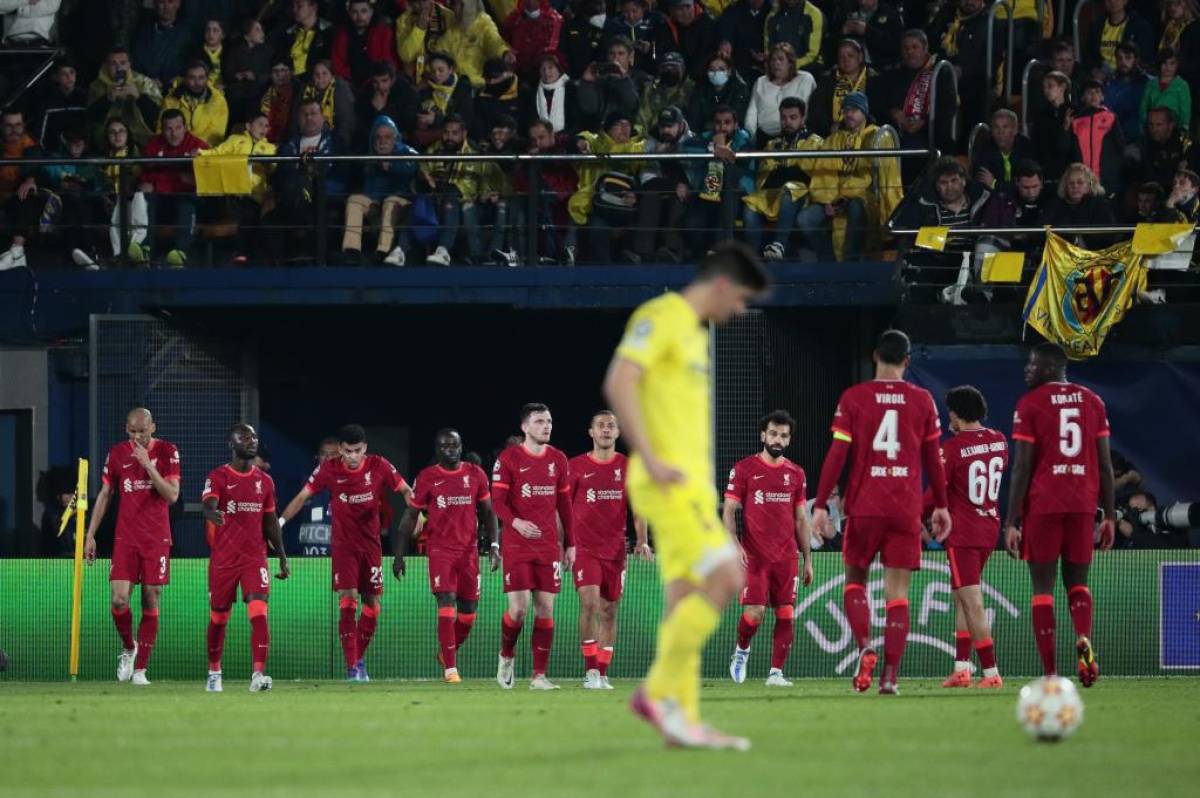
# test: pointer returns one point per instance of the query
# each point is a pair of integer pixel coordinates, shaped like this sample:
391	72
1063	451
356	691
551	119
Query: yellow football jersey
670	342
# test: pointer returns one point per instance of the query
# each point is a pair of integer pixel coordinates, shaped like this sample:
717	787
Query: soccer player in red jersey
239	501
975	459
145	471
600	509
770	490
531	494
358	484
455	499
1061	466
885	432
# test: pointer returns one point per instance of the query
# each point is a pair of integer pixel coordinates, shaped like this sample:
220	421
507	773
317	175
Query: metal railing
995	231
51	55
1008	66
532	214
981	129
933	91
1075	32
1025	74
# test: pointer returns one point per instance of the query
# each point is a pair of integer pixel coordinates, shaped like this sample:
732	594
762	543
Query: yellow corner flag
221	174
78	509
1002	267
933	238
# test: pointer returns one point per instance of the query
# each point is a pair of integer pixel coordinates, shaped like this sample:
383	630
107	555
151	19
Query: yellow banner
1078	295
222	174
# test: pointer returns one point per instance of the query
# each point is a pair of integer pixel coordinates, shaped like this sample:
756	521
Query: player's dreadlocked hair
893	347
780	418
352	434
734	260
531	408
967	403
1052	355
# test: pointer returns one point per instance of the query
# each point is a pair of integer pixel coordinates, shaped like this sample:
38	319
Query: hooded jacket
396	180
1100	145
207	116
706	97
531	38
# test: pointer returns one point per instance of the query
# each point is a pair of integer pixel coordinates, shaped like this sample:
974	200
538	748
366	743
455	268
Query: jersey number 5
983	480
887	437
1070	434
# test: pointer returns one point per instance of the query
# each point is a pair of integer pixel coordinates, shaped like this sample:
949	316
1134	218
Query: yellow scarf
214	65
325	97
442	92
299	50
1171	34
843	85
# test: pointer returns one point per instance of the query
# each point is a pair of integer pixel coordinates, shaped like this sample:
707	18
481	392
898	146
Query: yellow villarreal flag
1078	295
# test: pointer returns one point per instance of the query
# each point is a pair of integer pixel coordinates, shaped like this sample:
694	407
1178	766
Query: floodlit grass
422	738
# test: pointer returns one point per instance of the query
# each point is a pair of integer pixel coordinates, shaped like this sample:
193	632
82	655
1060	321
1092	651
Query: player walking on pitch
770	490
659	385
884	432
600	510
145	471
531	494
358	483
239	500
1061	465
455	499
975	459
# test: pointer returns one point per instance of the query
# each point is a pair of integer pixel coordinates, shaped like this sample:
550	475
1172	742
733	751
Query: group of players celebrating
543	513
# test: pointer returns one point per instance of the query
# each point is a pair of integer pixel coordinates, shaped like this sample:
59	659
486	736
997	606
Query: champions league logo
825	622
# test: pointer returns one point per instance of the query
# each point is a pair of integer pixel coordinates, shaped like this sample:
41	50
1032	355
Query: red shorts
897	540
455	572
223	583
358	570
539	575
771	584
966	564
1047	537
608	575
146	565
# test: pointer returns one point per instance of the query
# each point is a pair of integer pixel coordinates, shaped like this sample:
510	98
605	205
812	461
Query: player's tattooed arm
99	507
1022	468
404	533
274	534
487	517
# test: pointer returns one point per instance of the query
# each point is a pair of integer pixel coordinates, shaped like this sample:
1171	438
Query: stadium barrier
1146	623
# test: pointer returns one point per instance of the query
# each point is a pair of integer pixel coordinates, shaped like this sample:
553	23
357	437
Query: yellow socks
675	673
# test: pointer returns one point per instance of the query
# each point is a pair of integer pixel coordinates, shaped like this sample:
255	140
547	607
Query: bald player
144	470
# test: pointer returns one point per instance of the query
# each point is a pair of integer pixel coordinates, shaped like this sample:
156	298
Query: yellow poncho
580	204
854	177
766	201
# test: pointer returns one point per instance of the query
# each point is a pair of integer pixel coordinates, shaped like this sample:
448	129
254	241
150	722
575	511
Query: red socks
260	634
962	646
510	630
858	612
447	640
462	628
895	637
747	627
591	657
1079	600
366	627
216	638
1042	612
147	634
604	659
781	639
543	638
123	620
987	653
348	630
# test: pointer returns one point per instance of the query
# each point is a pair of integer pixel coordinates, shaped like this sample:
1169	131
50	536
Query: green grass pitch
305	739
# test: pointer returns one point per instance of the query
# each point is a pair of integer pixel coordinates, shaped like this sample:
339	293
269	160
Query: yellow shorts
689	540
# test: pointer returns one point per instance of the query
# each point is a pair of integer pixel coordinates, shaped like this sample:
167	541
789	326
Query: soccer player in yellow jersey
659	384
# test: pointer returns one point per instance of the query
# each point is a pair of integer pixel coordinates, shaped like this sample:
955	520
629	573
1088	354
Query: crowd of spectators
1107	137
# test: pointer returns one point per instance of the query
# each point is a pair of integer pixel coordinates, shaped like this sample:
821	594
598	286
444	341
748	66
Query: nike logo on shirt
439	482
340	481
589	476
759	476
526	468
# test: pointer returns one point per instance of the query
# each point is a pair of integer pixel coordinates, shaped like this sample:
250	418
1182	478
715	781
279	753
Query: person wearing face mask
582	40
204	108
689	31
533	28
720	86
672	88
800	24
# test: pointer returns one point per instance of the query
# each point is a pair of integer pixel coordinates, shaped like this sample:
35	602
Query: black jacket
1137	32
1092	211
695	43
881	38
597	98
705	99
580	43
1053	144
891	89
320	48
401	106
742	27
58	113
988	156
820	105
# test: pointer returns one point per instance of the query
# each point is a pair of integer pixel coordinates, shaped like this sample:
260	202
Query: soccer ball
1050	709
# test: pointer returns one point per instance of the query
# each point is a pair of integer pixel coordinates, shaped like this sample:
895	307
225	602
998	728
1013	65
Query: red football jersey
975	464
356	498
142	514
885	422
769	495
599	505
448	499
533	483
1062	421
243	498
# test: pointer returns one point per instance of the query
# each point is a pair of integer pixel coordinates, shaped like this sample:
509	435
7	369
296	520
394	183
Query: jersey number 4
887	437
983	481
